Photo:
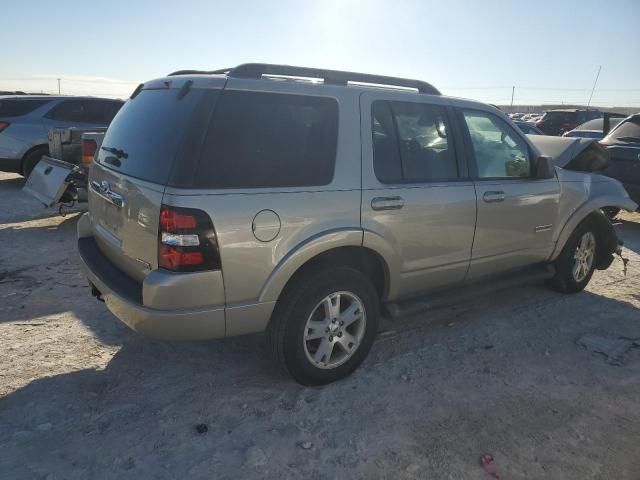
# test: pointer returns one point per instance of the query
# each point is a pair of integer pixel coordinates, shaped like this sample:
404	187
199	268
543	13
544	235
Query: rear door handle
493	196
387	203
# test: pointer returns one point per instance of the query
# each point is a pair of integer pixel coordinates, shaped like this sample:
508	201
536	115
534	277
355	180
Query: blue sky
550	50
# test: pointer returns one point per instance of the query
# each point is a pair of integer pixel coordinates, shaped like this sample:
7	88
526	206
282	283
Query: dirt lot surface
82	397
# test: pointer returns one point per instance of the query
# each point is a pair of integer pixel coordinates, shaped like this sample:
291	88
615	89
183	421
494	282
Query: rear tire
324	324
576	263
31	160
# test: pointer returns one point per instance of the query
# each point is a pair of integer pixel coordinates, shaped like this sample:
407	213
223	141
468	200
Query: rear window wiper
119	153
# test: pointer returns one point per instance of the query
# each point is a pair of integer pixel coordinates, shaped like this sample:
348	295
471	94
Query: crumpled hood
572	153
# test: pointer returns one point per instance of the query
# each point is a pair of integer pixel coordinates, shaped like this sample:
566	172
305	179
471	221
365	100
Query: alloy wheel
334	330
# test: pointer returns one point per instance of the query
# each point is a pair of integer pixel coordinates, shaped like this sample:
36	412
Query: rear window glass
154	130
269	140
17	108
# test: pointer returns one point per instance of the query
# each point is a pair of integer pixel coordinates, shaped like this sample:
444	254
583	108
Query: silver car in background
301	202
26	119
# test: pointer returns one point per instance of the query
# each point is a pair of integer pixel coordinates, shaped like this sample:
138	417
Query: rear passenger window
16	108
411	143
269	140
68	111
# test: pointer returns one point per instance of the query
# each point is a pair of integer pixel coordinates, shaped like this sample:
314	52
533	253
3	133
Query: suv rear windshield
156	129
17	107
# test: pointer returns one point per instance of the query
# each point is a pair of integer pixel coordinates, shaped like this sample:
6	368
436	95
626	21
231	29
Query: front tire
576	263
324	325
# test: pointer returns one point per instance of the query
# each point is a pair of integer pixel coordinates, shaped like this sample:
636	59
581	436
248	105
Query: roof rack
335	77
200	72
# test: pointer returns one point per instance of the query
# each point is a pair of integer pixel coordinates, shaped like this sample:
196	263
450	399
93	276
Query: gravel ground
82	397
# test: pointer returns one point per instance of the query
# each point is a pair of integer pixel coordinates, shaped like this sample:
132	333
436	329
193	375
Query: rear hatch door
49	180
150	142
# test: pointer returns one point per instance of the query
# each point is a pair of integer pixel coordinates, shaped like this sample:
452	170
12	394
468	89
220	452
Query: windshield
149	133
596	124
630	128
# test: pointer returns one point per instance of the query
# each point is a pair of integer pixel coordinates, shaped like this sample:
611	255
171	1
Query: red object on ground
486	464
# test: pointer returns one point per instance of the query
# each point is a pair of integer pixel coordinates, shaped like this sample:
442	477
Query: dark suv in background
623	145
556	122
26	119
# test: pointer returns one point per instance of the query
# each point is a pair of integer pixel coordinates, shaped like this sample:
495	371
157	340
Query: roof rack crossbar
336	77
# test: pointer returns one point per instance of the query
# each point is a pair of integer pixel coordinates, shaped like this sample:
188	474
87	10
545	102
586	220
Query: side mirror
544	168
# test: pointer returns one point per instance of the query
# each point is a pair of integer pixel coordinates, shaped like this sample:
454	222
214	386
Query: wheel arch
344	248
42	146
607	240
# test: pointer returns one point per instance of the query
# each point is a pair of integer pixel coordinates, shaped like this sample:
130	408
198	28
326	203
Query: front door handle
493	196
387	203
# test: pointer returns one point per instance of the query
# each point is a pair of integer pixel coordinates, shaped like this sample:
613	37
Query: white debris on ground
497	377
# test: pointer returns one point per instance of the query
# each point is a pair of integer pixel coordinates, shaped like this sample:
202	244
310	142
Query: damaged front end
586	193
578	154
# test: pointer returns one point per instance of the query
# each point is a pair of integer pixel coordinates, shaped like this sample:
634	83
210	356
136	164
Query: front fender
302	253
603	194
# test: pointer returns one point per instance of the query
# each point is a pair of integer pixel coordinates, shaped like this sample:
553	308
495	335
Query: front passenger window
499	152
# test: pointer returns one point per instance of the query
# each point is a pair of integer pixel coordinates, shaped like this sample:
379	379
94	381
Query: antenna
594	87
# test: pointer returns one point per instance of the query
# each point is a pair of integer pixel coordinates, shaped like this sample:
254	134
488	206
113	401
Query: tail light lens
89	148
3	125
187	240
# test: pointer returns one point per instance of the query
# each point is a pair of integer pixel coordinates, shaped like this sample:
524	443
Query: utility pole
513	90
594	87
58	86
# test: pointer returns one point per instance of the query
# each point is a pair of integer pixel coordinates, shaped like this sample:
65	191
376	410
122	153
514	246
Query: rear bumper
123	297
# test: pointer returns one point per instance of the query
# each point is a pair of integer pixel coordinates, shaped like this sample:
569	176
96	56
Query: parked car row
525	117
25	121
623	146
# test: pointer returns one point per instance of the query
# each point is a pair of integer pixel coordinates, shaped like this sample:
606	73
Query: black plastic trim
119	282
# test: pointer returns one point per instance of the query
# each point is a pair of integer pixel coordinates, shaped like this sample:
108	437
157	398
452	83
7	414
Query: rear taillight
3	125
187	239
89	148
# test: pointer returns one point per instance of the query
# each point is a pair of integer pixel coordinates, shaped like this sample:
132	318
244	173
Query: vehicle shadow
138	416
12	183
